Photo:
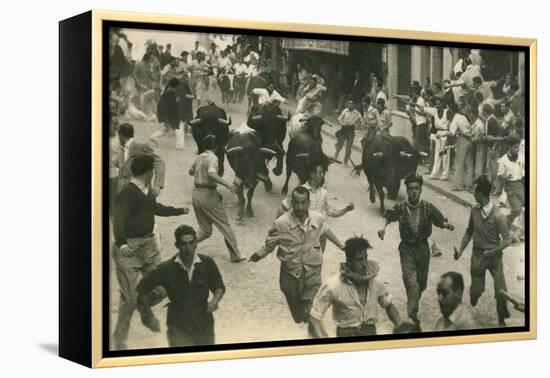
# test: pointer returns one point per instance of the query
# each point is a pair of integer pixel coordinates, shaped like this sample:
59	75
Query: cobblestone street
253	308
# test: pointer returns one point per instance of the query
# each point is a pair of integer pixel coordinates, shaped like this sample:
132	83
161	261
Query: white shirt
191	269
441	124
511	170
126	149
420	119
264	96
240	68
486	210
460	123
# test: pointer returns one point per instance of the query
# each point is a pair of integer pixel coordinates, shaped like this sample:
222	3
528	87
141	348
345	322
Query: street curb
450	195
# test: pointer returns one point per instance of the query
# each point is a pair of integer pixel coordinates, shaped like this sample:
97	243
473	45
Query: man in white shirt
454	315
464	151
511	170
421	134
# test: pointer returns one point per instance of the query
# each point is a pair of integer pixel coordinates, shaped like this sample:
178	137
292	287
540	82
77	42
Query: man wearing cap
415	217
208	203
136	251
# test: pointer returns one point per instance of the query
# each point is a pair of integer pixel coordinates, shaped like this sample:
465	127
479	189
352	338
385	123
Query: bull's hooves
372	198
250	214
268	186
284	192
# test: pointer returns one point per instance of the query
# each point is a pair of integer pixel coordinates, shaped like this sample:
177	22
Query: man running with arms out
354	294
136	251
207	201
297	233
415	217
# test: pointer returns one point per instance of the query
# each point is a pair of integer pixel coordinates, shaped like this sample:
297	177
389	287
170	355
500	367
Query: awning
326	46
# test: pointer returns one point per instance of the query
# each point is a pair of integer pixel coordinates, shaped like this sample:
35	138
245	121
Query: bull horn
423	154
234	150
256	117
378	154
268	151
224	121
404	154
302	155
282	117
195	121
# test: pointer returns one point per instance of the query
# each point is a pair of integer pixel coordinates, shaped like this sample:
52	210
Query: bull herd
386	160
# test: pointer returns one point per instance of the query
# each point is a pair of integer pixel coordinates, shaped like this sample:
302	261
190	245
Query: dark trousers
415	262
299	292
182	337
345	135
362	330
422	138
479	265
113	191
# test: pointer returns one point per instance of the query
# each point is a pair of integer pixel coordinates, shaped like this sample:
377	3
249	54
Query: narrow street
253	308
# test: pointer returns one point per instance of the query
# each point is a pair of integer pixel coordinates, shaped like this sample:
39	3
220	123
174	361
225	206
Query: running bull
212	119
305	145
268	120
386	160
247	157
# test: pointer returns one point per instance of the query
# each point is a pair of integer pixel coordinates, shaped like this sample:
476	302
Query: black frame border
107	353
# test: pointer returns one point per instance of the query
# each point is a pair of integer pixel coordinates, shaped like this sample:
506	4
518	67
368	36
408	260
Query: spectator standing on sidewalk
461	128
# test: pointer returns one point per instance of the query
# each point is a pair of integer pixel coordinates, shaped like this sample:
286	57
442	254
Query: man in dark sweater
188	279
415	217
489	229
135	251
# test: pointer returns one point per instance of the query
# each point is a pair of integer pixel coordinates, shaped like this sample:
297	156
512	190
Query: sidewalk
401	127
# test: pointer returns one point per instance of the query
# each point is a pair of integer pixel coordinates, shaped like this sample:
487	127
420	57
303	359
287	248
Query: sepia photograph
268	188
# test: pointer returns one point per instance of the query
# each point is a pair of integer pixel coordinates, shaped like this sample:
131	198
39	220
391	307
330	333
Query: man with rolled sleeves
207	201
415	217
297	234
488	227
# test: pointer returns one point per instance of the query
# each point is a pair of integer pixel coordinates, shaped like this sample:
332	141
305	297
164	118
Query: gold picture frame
95	20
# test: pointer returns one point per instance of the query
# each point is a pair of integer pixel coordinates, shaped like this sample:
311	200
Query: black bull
269	122
212	120
386	160
303	148
247	158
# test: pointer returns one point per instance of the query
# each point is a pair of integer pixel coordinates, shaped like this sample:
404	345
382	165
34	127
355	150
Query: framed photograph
235	189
